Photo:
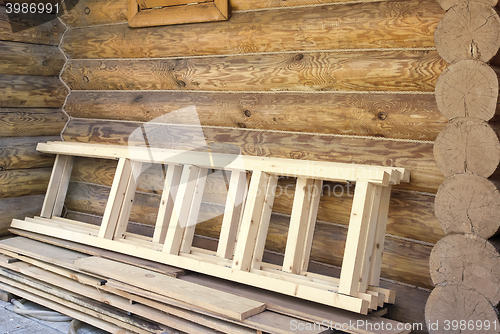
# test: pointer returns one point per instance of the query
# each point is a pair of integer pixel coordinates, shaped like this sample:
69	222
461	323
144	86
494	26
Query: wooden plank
315	71
194	210
181	210
116	196
128	199
19	208
226	304
415	156
305	30
311	224
62	187
288	111
168	196
20	152
356	238
31	91
29	31
24	182
232	213
30	59
145	4
56	178
19	122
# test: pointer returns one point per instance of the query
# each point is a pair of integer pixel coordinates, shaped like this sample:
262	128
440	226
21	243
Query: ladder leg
58	186
311	224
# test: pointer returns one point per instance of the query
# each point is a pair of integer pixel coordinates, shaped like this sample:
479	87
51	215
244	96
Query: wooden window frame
146	13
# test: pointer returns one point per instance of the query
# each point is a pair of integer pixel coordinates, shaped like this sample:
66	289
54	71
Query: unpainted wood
277	30
31	91
467	203
467	88
57	187
318	71
467	145
469	31
19	208
24	182
469	261
20	152
21	122
447	4
30	59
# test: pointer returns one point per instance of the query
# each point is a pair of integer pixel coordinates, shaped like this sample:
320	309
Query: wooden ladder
245	221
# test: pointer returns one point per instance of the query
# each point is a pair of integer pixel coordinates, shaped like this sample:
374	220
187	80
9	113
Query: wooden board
20	122
20	152
23	182
31	91
221	303
409	116
415	156
318	71
30	59
314	28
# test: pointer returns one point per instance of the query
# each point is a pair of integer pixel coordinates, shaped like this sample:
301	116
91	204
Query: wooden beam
311	224
24	182
20	152
19	122
18	207
30	59
31	91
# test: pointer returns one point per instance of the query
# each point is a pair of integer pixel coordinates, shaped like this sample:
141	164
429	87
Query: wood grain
20	122
318	71
20	152
367	114
31	91
416	156
30	59
23	182
447	4
408	23
327	245
49	33
19	208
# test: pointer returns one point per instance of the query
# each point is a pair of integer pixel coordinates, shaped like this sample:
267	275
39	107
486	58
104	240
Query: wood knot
298	57
87	10
138	98
182	83
382	116
247	113
86	79
242	125
44	63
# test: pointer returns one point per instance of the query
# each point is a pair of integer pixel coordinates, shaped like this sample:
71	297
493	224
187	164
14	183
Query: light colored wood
194	211
168	196
59	181
263	223
181	209
116	196
447	4
145	4
128	199
311	224
235	200
222	303
356	238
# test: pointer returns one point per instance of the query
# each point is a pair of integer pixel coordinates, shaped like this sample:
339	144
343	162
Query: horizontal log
410	214
408	116
469	31
29	31
416	156
20	122
20	152
317	71
447	4
18	208
467	145
408	23
404	260
23	182
31	91
451	306
469	261
30	59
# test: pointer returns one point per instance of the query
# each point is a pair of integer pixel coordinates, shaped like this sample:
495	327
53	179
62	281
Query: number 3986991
32	8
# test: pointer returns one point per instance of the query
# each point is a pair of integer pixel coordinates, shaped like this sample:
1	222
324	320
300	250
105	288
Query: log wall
31	98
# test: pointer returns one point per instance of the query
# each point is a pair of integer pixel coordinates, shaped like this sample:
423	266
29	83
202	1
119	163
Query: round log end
447	4
467	145
467	88
467	261
453	309
469	30
467	203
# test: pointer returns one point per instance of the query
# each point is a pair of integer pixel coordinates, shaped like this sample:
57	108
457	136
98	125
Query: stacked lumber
464	264
123	294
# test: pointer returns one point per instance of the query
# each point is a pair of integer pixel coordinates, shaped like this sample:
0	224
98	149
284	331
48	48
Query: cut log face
447	4
467	88
467	203
467	145
468	261
453	309
468	31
